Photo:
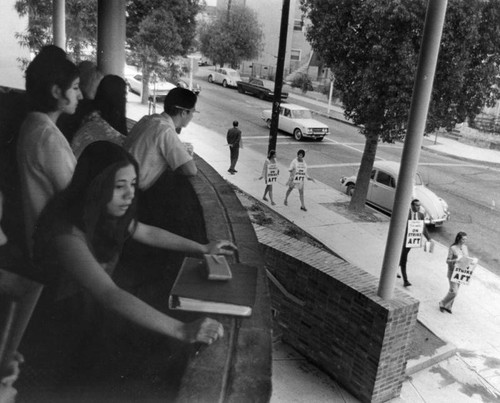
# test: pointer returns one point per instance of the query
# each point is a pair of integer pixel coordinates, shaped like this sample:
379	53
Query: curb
442	353
460	158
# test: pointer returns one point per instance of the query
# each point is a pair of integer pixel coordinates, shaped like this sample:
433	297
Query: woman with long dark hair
107	120
81	234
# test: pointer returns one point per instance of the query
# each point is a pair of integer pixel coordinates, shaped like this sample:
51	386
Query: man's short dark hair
235	123
179	99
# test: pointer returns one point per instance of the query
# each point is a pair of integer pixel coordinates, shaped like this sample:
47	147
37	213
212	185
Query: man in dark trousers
414	240
234	141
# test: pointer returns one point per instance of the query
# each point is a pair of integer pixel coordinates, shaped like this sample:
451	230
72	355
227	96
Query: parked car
160	88
183	84
256	87
382	188
297	120
226	77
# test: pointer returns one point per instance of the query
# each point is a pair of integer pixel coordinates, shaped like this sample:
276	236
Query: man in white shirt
154	140
166	198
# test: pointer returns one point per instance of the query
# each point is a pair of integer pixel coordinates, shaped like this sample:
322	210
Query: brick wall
336	319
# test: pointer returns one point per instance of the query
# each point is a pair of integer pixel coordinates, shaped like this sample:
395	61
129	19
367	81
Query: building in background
299	54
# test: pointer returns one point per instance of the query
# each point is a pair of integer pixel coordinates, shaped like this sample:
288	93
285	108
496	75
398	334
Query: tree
372	47
232	37
157	31
81	25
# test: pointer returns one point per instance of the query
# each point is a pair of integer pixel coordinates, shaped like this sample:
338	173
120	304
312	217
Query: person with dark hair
457	250
44	156
413	215
168	200
90	77
81	234
154	141
107	120
234	142
48	56
270	174
298	175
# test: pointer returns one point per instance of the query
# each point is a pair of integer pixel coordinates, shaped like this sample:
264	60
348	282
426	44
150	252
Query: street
469	188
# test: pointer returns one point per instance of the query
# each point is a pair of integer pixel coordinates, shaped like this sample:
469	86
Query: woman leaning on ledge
81	233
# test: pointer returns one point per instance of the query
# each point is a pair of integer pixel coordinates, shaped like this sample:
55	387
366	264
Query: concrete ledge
239	368
441	354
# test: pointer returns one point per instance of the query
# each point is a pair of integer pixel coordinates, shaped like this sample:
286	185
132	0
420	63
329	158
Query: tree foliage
372	46
81	25
234	39
159	30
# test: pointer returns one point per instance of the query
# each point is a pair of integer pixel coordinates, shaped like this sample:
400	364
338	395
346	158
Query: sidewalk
471	375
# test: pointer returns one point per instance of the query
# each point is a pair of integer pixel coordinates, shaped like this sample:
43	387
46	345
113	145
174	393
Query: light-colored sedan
224	76
382	189
160	88
297	120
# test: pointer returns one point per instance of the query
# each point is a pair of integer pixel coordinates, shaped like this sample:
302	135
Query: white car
297	120
382	188
226	77
160	88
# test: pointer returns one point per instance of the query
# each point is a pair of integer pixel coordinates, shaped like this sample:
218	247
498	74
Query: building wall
330	312
269	16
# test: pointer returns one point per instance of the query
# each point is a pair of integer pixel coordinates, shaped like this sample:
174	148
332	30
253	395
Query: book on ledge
193	291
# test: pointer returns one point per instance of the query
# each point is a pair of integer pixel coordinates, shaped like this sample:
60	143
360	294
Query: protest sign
414	234
300	175
272	174
464	267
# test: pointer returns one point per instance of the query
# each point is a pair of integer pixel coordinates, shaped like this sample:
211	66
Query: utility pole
422	90
278	81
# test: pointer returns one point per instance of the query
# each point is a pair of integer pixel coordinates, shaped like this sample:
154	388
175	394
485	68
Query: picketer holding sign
415	228
298	175
270	174
460	268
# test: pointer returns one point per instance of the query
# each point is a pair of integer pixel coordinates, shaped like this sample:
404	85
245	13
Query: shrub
302	81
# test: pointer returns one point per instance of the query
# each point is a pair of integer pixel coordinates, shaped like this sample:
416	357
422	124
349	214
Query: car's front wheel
349	191
297	133
210	79
268	122
224	83
240	89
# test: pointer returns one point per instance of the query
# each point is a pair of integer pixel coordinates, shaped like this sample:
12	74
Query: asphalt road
471	189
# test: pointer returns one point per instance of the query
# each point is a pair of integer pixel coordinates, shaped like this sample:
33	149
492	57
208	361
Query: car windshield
302	114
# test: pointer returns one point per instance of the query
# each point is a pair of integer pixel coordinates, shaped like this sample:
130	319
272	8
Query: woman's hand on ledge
204	330
222	247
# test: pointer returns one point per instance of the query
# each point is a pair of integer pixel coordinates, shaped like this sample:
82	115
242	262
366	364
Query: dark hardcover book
193	291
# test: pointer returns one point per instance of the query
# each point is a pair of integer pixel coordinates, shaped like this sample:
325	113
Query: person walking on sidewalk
235	143
415	228
455	252
270	174
298	175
